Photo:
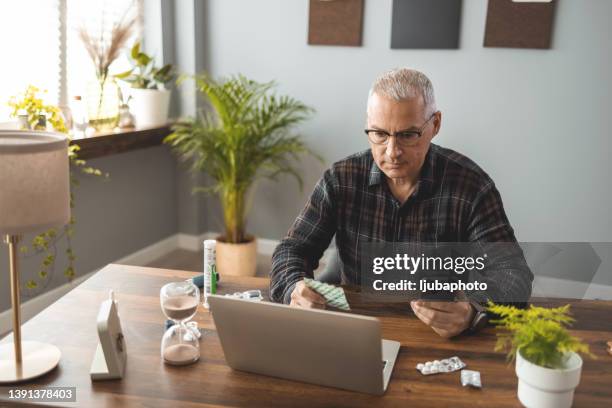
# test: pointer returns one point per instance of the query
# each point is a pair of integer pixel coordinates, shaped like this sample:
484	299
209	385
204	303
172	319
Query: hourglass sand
179	302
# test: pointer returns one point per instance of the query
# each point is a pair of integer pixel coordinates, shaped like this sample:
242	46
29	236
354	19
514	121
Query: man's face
394	160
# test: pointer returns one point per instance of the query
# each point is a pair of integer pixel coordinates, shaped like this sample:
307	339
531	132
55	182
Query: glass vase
103	104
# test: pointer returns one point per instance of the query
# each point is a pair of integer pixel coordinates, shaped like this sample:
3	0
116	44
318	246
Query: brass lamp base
38	359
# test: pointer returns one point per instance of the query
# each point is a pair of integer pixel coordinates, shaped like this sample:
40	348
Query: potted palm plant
247	135
548	365
149	97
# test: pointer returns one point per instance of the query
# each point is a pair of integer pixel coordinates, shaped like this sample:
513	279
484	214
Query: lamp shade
34	181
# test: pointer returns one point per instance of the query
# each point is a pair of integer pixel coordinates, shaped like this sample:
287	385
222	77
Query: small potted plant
149	97
31	106
247	135
548	365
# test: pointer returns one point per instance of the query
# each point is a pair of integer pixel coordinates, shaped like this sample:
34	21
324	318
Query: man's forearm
507	274
509	280
298	254
288	268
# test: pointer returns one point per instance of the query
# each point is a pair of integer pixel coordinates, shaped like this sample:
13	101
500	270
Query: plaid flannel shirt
454	201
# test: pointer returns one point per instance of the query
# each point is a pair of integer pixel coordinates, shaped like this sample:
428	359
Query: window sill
106	144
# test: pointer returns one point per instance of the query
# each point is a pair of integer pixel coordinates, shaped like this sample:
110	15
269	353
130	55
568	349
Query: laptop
315	346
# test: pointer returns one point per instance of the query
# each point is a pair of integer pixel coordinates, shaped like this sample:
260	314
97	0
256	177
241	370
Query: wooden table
70	324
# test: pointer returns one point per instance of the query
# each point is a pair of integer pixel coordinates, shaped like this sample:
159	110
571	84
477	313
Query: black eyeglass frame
412	136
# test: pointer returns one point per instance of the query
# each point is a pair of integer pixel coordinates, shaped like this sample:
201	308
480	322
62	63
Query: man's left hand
448	319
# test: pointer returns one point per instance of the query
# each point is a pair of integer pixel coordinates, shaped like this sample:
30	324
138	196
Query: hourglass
179	302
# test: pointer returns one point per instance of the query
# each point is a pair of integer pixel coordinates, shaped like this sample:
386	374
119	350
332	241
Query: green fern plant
538	333
246	136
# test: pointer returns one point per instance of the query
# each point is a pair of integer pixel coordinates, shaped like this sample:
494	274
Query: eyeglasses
405	138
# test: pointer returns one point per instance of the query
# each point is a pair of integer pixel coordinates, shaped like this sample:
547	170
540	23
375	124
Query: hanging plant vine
46	244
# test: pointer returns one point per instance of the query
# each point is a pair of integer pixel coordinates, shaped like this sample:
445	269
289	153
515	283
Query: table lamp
34	196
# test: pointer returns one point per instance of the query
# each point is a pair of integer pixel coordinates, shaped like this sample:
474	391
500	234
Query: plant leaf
135	50
124	74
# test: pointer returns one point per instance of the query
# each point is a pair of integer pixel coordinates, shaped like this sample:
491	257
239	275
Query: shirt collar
426	176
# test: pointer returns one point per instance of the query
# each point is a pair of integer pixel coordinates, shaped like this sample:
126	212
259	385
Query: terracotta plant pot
237	259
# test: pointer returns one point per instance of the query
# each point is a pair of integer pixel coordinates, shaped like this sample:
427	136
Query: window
97	16
29	31
41	46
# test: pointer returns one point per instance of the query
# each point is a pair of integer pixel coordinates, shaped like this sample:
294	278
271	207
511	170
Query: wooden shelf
106	144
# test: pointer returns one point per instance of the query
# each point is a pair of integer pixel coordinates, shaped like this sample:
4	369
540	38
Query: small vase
103	104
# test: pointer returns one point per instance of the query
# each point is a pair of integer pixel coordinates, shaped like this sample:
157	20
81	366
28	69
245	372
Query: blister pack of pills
471	378
448	365
252	295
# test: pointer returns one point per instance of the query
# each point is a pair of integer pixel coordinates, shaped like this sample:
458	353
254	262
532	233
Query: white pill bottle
210	270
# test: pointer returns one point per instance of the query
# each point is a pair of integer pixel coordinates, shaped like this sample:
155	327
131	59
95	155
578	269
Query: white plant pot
149	106
541	387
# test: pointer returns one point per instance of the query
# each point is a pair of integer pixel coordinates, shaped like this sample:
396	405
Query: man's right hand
303	296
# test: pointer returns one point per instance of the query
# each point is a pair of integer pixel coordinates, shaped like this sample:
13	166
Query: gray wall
537	121
135	207
174	33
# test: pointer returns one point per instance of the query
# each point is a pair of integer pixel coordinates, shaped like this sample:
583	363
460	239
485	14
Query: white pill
420	366
428	364
437	362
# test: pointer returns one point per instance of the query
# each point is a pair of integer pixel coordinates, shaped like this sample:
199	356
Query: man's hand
448	319
303	296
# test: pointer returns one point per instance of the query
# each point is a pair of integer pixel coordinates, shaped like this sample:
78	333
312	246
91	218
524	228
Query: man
403	189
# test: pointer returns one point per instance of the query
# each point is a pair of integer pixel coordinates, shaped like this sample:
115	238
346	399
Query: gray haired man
402	189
